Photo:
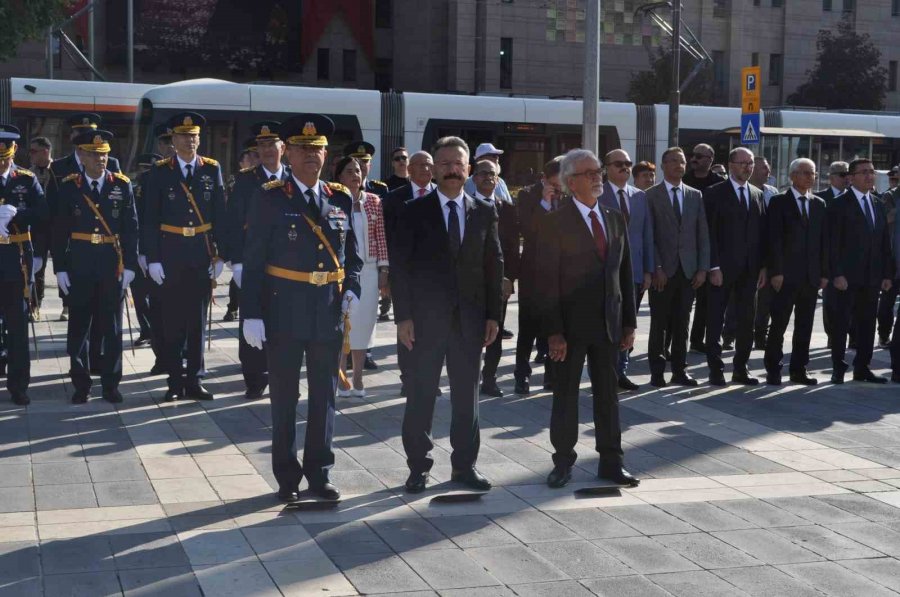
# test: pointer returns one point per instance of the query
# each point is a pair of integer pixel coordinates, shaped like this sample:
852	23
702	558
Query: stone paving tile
531	526
515	564
834	579
125	493
150	550
884	571
236	579
593	523
766	581
173	467
309	577
645	556
581	559
761	514
562	588
160	582
873	535
707	551
814	510
16	499
864	506
83	554
625	586
216	547
696	583
22	587
826	543
379	573
15	475
18	559
354	538
767	546
448	569
85	584
116	470
473	531
61	473
651	520
707	517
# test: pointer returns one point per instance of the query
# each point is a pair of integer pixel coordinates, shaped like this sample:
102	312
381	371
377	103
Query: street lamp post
590	103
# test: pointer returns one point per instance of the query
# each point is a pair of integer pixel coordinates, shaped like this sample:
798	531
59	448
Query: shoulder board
23	172
248	169
163	162
210	161
74	176
121	176
336	186
379	183
273	184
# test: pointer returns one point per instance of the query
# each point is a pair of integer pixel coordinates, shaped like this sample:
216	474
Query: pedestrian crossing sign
750	129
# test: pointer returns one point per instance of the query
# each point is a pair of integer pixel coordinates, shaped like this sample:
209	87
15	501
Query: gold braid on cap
266	133
309	136
187	127
98	145
7	149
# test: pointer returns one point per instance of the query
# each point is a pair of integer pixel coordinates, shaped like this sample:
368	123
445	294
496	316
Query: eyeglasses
400	158
590	173
621	164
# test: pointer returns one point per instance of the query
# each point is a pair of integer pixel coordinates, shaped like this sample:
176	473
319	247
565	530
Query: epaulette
379	183
21	171
121	177
273	184
72	176
163	162
336	186
248	169
210	161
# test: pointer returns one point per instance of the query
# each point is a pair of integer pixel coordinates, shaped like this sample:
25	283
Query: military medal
171	194
207	195
292	233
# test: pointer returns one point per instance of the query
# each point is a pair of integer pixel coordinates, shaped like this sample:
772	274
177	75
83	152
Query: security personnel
141	286
95	259
301	271
247	183
364	151
184	207
22	205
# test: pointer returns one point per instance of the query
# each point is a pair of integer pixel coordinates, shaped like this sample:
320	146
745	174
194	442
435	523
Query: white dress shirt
460	211
862	199
277	174
316	189
586	214
415	189
737	193
90	182
804	209
182	164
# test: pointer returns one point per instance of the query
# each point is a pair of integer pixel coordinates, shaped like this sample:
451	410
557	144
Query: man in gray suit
632	202
681	255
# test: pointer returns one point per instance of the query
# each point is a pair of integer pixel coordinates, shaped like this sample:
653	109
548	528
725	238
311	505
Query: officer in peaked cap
364	151
300	280
184	222
95	258
163	136
22	206
247	187
146	310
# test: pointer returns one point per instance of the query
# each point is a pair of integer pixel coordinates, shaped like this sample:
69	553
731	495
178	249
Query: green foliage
24	20
655	85
847	74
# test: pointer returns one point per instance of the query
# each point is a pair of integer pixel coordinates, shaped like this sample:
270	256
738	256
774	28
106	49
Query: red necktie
421	192
599	236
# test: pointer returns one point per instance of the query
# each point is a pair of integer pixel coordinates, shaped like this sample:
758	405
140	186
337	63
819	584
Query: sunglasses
400	158
621	164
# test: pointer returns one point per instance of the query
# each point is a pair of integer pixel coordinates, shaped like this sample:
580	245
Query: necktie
312	205
421	192
623	205
804	209
453	228
676	205
95	191
743	199
271	177
189	176
599	236
869	219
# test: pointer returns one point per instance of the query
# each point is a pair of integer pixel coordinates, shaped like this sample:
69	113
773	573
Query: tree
847	73
655	86
25	20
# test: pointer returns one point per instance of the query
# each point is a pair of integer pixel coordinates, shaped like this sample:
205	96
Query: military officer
184	209
247	183
95	258
163	136
364	151
141	287
22	206
300	273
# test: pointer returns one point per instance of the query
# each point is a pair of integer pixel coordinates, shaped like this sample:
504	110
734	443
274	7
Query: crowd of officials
444	244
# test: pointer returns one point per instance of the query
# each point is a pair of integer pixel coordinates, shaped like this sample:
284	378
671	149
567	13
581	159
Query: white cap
487	149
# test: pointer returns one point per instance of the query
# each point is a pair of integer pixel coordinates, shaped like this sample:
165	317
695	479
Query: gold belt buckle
4	240
188	231
318	278
96	239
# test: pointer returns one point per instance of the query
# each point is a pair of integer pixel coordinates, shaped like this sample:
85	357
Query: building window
349	66
849	5
384	74
892	75
895	8
721	8
826	5
506	62
323	72
384	14
777	3
754	59
775	67
756	2
720	74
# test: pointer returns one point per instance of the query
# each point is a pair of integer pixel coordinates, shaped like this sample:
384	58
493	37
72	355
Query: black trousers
886	310
253	363
601	358
234	296
763	312
670	310
625	355
857	307
801	300
528	336
95	343
744	288
103	296
140	292
427	358
493	352
185	295
14	311
285	359
698	327
895	346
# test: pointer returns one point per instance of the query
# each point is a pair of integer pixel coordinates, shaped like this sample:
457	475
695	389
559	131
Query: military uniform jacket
166	202
279	235
137	186
377	187
63	167
22	191
247	183
82	259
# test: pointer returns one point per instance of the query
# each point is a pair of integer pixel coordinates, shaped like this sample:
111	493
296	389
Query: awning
804	132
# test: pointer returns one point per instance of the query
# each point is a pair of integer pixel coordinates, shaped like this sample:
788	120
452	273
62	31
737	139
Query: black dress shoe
157	369
507	335
698	347
559	476
744	378
370	364
197	392
837	378
229	316
80	396
490	388
728	344
472	478
20	398
540	358
773	379
523	388
113	396
627	385
684	379
287	496
869	377
142	341
658	380
802	378
254	393
326	491
173	395
617	474
717	379
884	341
416	482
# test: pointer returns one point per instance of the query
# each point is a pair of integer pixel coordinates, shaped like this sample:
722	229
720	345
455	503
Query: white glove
4	231
36	264
156	273
215	269
127	278
62	280
7	212
350	301
254	332
142	263
237	272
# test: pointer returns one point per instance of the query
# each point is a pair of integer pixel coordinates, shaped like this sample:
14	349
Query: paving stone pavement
746	491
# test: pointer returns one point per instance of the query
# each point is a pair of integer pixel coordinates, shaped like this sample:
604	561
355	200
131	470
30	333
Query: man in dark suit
586	299
448	273
421	170
681	255
736	252
533	202
838	181
486	175
797	269
620	195
860	265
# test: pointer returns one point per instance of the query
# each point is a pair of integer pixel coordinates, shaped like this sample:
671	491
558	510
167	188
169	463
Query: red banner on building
359	15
